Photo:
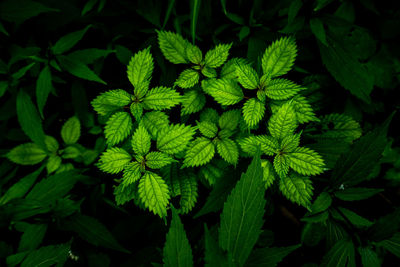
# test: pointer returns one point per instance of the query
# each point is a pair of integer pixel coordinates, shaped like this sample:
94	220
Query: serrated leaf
340	127
213	171
71	131
43	88
214	58
160	98
281	165
124	193
110	101
253	111
154	193
228	150
68	41
209	114
194	54
131	173
229	119
290	142
192	101
70	152
177	250
268	173
304	111
279	57
157	160
79	69
139	70
268	144
269	256
228	71
155	121
283	122
113	160
188	78
207	128
281	89
242	216
173	47
297	189
199	152
136	110
26	154
174	138
141	141
340	255
118	127
224	91
209	72
247	76
305	161
351	194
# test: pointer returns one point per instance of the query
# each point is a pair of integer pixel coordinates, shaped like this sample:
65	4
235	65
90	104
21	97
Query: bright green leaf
279	57
214	58
160	98
118	127
154	193
174	138
173	47
253	111
113	160
27	154
141	141
297	189
199	152
71	131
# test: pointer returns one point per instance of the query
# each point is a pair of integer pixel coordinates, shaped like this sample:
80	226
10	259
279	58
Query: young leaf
157	160
131	173
141	141
279	57
253	111
174	138
282	122
43	88
242	216
173	47
154	193
154	122
53	163
51	143
281	165
340	255
247	76
228	150
160	98
118	127
199	152
79	69
224	91
268	144
208	129
26	154
177	250
305	161
268	173
281	89
297	189
229	119
110	101
71	131
228	71
140	68
68	41
194	54
113	160
216	57
290	142
136	110
269	256
188	78
192	101
360	193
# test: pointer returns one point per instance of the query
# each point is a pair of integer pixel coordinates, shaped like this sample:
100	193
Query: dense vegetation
191	133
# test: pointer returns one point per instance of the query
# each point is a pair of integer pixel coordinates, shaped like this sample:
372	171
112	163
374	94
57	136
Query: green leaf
43	88
290	143
247	76
280	89
118	127
369	258
32	237
141	141
47	256
131	173
305	161
199	152
228	71
110	101
359	193
385	227
53	163
217	56
207	128
160	98
27	154
173	47
93	231
321	203
392	244
253	111
20	10
136	110
297	189
188	78
174	138
209	114
29	119
154	193
70	152
283	122
113	160
140	69
88	6
242	216
79	69
51	143
213	255
209	72
340	127
355	219
340	255
124	193
268	173
177	250
229	119
228	150
68	41
304	111
279	57
224	91
194	54
71	131
157	160
194	14
317	28
89	55
269	256
281	165
268	144
192	101
154	122
3	30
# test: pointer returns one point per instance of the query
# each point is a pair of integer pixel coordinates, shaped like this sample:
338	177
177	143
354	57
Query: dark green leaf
269	257
79	69
32	237
43	88
47	256
356	193
385	227
68	41
340	255
369	258
21	10
88	56
194	14
392	244
214	256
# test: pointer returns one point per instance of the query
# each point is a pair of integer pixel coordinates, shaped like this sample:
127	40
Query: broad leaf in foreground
154	193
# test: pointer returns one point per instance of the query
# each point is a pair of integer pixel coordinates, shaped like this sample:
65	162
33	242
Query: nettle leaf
209	114
68	41
253	111
354	218
228	150
111	101
290	142
269	145
229	119
154	193
304	111
192	101
214	170
305	161
173	47
157	160
207	128
174	138
224	91
160	98
26	154
124	193
113	160
141	141
268	173
269	256
213	254
43	88
209	72
228	71
199	152
247	76
118	127
279	57
136	110
188	78
340	255
283	121
281	165
140	68
194	54
297	189
340	127
154	122
242	216
280	89
216	57
177	250
131	173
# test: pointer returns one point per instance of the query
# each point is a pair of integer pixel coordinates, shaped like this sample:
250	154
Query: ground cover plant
192	133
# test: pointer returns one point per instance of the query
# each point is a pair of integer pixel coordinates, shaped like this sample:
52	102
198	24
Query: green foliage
278	58
27	154
71	131
154	193
113	160
297	188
